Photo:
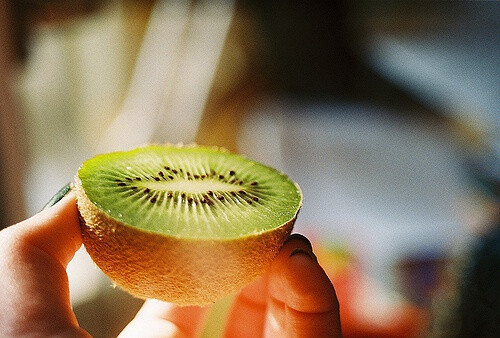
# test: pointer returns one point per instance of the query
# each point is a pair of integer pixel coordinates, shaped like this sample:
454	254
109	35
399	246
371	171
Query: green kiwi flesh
190	192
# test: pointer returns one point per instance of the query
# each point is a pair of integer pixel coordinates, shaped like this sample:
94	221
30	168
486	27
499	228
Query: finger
302	300
55	231
162	319
246	317
33	284
248	312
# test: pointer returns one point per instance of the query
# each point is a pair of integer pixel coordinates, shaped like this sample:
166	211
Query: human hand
294	298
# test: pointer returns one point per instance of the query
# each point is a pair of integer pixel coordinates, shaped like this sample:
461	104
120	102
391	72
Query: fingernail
301	238
58	196
299	251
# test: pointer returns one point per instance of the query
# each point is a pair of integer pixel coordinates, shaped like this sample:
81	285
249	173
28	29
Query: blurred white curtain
173	74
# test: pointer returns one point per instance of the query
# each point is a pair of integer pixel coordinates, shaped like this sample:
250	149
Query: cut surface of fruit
190	192
188	225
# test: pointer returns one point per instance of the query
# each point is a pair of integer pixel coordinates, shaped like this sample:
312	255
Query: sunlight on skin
271	326
293	298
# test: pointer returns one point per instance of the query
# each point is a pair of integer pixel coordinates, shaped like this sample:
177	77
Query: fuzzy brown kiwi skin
182	271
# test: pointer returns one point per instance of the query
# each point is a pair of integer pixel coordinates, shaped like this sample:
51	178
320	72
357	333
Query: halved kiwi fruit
184	224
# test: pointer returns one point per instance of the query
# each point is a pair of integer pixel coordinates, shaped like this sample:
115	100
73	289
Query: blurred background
386	114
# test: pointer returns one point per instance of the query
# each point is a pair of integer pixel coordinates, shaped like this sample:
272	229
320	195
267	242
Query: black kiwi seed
128	179
253	183
157	178
133	188
220	197
169	195
171	177
256	199
203	176
117	180
153	200
196	176
174	171
147	190
161	174
221	177
243	192
166	168
210	192
203	200
183	195
190	199
138	178
121	184
233	193
232	173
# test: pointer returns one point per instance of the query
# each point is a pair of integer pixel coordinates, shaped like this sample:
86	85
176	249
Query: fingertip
55	230
298	280
60	232
299	251
296	237
295	244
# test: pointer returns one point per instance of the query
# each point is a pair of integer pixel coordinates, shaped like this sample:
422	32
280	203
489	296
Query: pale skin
294	298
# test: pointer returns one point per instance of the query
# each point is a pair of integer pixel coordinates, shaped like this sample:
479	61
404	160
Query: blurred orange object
366	308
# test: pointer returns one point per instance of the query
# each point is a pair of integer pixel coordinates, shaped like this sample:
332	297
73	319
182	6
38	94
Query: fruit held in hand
183	224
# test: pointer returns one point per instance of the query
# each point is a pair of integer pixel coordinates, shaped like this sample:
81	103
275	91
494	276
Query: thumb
302	300
34	289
